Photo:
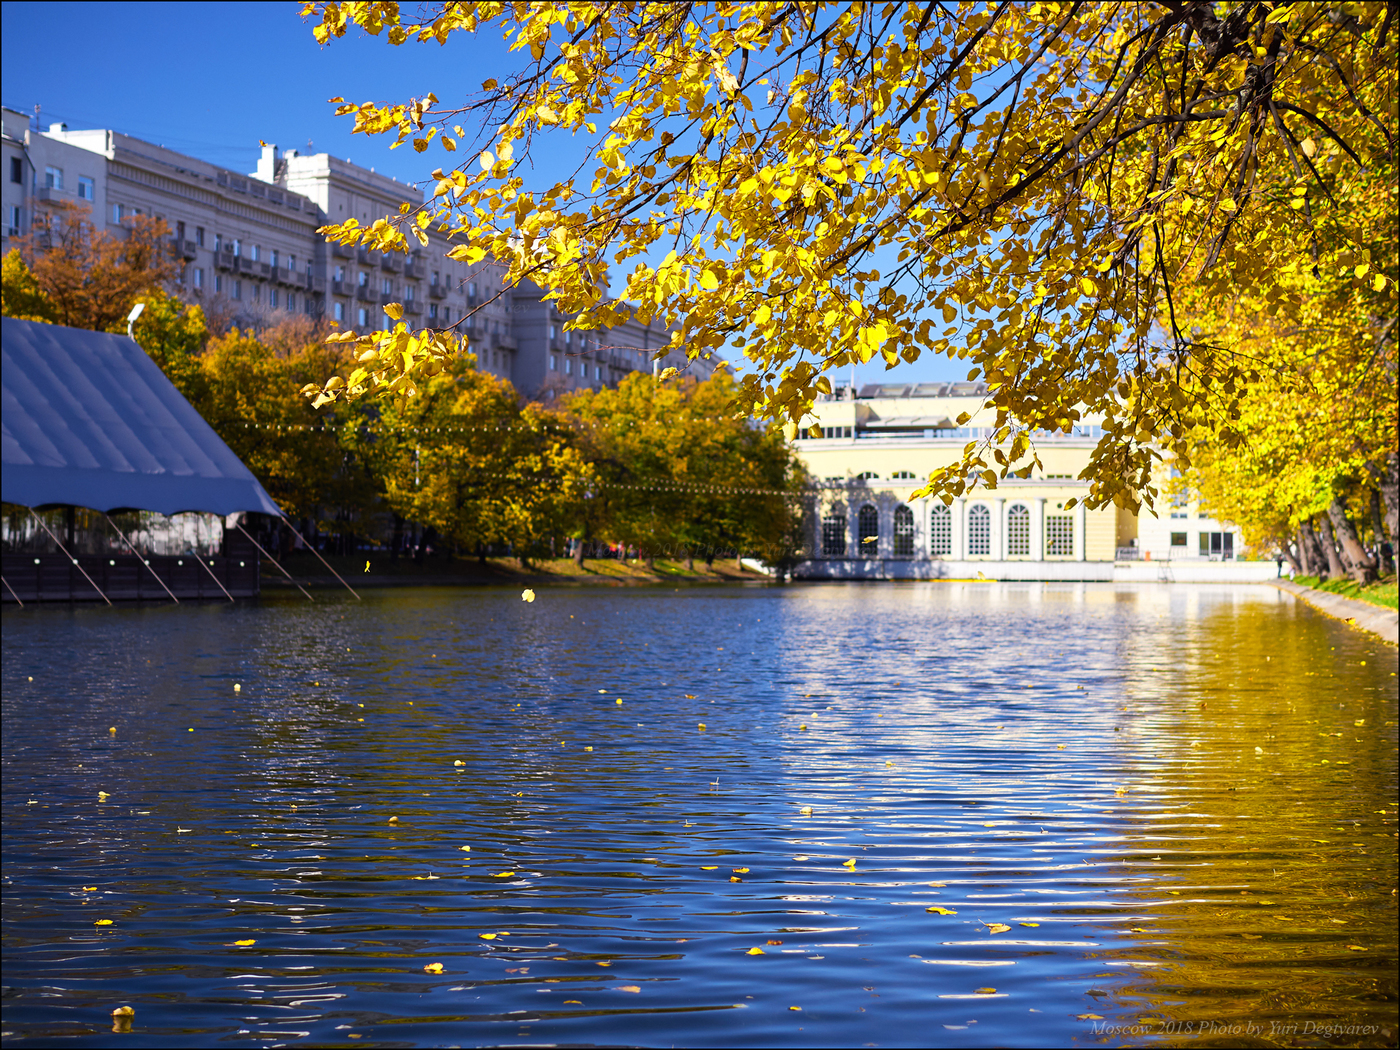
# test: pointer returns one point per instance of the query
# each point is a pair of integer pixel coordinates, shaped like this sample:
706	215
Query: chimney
267	163
57	129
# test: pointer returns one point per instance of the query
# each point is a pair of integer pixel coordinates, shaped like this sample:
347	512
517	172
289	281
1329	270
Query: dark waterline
1181	800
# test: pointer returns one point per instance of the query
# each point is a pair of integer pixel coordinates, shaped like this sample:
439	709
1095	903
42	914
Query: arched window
903	532
902	475
869	524
834	536
1018	531
940	528
979	530
868	475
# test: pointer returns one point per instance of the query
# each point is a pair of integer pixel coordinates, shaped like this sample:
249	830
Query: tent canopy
89	419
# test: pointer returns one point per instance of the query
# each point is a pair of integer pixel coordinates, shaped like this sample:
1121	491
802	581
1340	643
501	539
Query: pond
831	814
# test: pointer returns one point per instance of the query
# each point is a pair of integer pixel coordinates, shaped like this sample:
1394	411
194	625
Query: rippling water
1152	815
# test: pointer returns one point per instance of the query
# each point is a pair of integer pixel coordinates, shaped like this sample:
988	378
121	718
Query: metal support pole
274	561
69	556
142	560
12	591
314	551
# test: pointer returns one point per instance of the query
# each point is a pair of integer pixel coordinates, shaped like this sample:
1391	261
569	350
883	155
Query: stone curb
1382	622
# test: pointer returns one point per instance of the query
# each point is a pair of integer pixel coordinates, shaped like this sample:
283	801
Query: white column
999	531
1079	522
1038	531
960	529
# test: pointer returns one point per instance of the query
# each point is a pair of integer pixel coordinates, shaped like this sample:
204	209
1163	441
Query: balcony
413	308
390	262
385	298
183	248
295	278
261	269
503	341
367	294
316	285
365	256
340	288
413	270
342	251
437	291
225	260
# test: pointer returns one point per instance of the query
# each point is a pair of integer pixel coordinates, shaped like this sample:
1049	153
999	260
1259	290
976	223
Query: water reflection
1178	801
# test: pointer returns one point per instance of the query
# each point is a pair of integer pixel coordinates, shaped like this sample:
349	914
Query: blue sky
211	79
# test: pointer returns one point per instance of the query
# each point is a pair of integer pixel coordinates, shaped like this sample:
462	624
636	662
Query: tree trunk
398	537
1318	564
739	561
689	560
1304	552
649	560
578	552
1360	563
1288	556
1336	568
1384	550
1387	479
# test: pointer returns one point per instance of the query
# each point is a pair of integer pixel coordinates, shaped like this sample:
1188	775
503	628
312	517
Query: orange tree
1023	185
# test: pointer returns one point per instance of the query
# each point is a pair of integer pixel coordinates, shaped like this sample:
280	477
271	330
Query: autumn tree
1023	185
91	278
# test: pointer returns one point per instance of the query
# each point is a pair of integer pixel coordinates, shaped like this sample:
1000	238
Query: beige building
247	243
878	445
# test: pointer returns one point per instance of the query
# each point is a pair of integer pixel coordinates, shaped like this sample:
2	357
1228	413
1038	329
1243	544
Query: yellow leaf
527	595
709	867
1089	1017
998	927
504	874
629	988
1030	924
709	281
797	1008
487	936
1088	286
244	944
756	951
849	864
103	922
433	968
394	310
986	991
941	911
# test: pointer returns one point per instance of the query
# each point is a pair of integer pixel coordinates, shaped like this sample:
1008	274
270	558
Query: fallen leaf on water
590	749
775	942
741	871
629	988
1356	947
527	595
433	968
941	911
806	811
393	820
103	922
1089	1017
89	889
503	874
605	964
938	884
802	856
735	878
849	864
1060	747
709	867
572	1002
487	936
755	951
619	699
103	795
459	762
798	1008
997	927
244	944
465	849
986	991
1030	924
803	726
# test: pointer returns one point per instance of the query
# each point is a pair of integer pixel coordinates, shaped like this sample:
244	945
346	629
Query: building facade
247	244
868	450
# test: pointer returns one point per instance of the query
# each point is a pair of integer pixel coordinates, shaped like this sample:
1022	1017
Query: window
1059	536
408	293
53	178
199	236
432	312
12	220
339	312
868	527
834	536
902	475
17	170
1179	500
553	363
364	317
340	273
236	246
867	475
940	528
219	283
291	264
87	189
1178	539
180	231
386	286
568	367
471	294
434	281
364	279
979	530
117	212
199	277
1018	531
1218	546
257	293
218	243
257	248
238	289
272	298
291	301
903	532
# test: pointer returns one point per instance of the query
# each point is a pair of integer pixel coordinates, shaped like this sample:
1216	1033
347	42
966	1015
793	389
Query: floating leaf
710	867
1029	924
629	988
503	874
997	927
1089	1017
527	595
735	878
806	811
572	1002
465	849
797	1008
986	991
433	968
103	922
702	725
941	911
1356	947
755	951
244	944
741	871
487	936
690	696
849	864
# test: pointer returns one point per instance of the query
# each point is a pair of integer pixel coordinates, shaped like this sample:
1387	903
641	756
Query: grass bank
1382	592
439	570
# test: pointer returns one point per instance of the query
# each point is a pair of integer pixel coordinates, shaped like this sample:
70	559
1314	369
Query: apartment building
248	241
